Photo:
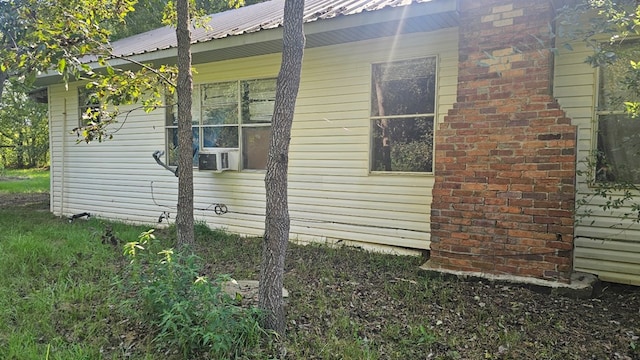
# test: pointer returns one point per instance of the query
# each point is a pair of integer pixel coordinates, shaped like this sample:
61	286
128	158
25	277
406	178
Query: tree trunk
184	217
276	235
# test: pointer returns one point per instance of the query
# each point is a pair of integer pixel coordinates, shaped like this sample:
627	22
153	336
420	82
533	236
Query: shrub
192	313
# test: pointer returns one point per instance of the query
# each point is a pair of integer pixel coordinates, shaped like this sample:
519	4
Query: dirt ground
40	200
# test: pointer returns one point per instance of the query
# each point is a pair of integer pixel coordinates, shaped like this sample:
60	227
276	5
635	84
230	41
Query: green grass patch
24	181
56	288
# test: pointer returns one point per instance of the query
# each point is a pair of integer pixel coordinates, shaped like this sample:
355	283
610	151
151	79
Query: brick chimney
503	197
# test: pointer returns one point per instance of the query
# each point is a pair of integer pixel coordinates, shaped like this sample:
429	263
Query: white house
485	128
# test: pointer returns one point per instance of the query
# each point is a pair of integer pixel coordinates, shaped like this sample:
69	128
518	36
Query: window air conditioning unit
218	159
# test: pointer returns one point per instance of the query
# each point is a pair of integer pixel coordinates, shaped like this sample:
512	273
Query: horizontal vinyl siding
332	195
109	179
605	244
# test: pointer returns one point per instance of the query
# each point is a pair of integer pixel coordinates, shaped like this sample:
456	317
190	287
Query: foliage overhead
38	35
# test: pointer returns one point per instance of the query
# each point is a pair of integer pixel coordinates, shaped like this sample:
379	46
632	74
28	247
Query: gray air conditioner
218	159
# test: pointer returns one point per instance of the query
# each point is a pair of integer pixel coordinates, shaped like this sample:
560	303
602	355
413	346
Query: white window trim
598	112
196	112
434	115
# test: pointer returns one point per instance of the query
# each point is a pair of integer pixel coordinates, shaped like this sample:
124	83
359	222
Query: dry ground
40	200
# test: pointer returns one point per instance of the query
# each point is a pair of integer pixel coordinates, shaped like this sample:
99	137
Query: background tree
277	223
41	35
149	14
24	135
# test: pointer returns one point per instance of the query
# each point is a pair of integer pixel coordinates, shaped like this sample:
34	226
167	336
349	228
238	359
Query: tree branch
5	135
147	67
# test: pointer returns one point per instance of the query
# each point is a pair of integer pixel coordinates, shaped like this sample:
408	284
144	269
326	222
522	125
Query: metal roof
251	19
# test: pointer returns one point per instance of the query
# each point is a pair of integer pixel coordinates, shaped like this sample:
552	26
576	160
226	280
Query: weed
191	312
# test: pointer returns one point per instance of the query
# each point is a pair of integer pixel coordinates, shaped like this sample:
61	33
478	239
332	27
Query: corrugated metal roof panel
249	19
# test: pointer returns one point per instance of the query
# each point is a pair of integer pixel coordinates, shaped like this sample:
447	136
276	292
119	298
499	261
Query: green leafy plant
192	313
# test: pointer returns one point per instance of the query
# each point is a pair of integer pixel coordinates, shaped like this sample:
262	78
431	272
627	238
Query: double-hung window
618	135
403	105
229	115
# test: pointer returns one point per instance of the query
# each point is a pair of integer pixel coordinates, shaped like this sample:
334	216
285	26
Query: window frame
434	116
600	112
197	120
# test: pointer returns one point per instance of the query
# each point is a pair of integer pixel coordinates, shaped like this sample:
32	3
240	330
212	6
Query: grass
24	181
57	287
63	295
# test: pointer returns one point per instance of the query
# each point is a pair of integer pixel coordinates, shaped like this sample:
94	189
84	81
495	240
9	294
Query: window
618	136
234	115
403	97
88	107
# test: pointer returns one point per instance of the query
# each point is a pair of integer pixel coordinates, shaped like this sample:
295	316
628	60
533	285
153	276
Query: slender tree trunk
277	225
184	217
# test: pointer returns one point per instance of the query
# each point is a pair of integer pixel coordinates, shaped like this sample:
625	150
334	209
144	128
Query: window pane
196	144
404	87
614	91
172	146
402	144
258	99
221	116
220	103
220	136
619	149
255	144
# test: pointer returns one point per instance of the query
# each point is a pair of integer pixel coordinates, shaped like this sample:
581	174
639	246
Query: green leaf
62	65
